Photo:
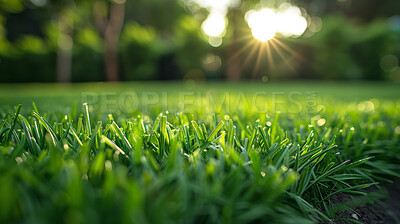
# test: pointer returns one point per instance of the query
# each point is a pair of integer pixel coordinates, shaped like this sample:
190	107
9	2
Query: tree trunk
111	29
233	66
111	57
233	63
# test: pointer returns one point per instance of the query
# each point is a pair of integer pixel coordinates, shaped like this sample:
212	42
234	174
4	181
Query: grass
209	157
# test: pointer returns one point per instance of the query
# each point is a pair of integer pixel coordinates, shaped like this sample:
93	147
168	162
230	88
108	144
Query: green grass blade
48	128
10	132
215	131
87	119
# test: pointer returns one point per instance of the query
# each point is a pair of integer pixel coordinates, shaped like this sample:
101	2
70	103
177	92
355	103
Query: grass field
194	153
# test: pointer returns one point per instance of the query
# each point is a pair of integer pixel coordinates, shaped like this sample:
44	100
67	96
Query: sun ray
245	38
291	51
258	61
241	50
280	53
270	58
254	47
267	25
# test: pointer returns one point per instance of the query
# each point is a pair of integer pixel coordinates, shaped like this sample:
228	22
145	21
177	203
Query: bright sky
217	6
263	23
215	24
287	20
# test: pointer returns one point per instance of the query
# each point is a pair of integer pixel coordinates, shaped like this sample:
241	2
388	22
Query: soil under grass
380	206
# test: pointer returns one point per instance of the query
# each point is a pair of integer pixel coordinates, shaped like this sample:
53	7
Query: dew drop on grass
366	106
321	122
108	165
19	160
115	156
85	176
264	78
397	130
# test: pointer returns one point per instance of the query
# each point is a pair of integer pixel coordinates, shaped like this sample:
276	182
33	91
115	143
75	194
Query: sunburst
265	45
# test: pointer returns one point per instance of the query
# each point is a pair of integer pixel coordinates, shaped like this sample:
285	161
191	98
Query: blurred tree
107	15
11	6
64	12
7	7
346	50
160	40
190	45
233	64
139	49
236	24
109	19
162	15
163	39
363	10
177	44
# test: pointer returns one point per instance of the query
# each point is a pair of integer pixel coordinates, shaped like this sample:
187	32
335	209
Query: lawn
195	152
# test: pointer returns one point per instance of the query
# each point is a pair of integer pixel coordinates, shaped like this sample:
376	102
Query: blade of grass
48	128
87	119
10	132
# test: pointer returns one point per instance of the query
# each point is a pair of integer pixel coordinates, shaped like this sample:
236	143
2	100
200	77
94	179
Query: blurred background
128	40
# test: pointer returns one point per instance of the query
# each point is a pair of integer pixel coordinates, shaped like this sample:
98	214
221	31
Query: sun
268	28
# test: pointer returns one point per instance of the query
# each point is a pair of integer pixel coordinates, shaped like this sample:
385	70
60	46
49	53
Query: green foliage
343	50
190	43
36	56
13	6
140	49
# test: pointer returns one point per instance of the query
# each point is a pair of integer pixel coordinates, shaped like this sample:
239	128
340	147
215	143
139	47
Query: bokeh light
262	23
287	21
214	25
211	62
290	22
218	5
